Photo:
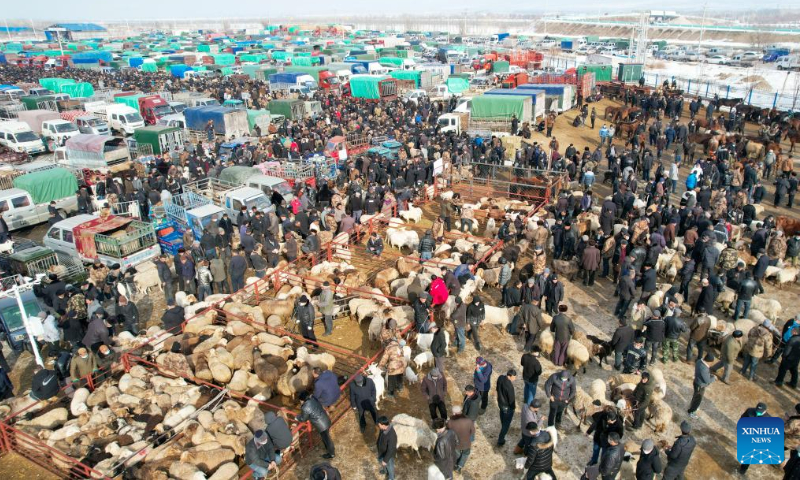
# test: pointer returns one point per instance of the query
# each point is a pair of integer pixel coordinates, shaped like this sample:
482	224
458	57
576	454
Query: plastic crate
171	243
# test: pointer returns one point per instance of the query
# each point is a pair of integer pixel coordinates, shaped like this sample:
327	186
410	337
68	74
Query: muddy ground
591	310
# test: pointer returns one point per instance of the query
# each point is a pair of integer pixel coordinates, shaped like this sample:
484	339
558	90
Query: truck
153	107
282	81
499	37
119	117
194	99
96	152
18	137
352	68
788	62
494	112
326	79
537	98
254	178
162	139
228	122
369	67
453	122
86	122
371	87
341	147
28	202
174	120
568	45
773	54
50	125
558	97
111	239
290	108
230	196
10	316
190	211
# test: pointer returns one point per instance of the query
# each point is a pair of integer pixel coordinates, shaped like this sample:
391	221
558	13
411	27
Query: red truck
342	148
152	108
328	81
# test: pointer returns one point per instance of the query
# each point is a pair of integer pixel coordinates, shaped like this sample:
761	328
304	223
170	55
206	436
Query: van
59	131
92	125
787	62
268	184
19	137
174	120
11	319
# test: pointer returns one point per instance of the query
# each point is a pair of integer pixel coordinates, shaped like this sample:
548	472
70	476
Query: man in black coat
705	300
635	357
680	453
238	267
173	316
654	333
362	399
539	452
314	412
304	318
444	451
648	281
605	423
472	403
563	329
387	447
438	347
622	338
626	290
506	401
790	361
649	464
611	462
760	269
531	370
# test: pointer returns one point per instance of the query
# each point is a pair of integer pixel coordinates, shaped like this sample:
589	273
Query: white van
787	62
19	137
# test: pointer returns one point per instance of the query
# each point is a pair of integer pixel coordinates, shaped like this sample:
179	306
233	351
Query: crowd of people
638	221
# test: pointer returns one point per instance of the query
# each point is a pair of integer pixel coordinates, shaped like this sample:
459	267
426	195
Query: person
426	246
482	379
674	326
758	346
44	384
279	433
173	316
237	267
82	365
698	334
702	379
531	370
538	453
464	428
604	423
562	329
434	389
128	315
680	453
790	360
422	313
472	403
325	305
561	389
649	464
6	387
259	455
313	411
654	331
626	289
326	386
635	357
531	317
444	450
386	447
476	313
394	363
620	341
324	471
642	396
97	331
728	354
506	401
304	317
744	296
438	347
375	244
459	319
165	276
362	399
611	461
529	413
590	262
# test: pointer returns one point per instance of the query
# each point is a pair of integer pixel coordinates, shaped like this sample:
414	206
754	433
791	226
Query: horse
629	128
794	136
614	111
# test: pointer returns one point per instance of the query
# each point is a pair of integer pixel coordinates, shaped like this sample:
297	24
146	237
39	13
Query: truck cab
177	107
787	62
449	122
268	184
19	137
174	120
152	108
414	96
59	131
11	317
38	92
92	125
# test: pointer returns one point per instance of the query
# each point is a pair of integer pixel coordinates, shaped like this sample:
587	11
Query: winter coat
531	368
434	389
438	291
81	367
471	406
539	455
304	315
326	388
97	332
611	461
655	329
730	349
325	302
278	431
759	342
393	360
464	428
444	452
699	327
702	374
259	455
649	465
313	411
476	312
643	393
561	391
387	444
602	429
678	456
439	344
531	317
562	327
505	394
482	378
622	338
591	258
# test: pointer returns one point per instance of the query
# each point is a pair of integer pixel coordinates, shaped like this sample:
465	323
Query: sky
98	10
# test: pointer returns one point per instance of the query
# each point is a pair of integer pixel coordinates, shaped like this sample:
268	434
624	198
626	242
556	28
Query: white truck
59	131
119	117
229	196
27	202
111	239
19	137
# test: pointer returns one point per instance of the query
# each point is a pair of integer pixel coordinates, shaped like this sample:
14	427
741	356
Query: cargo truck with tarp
110	239
325	79
95	152
289	108
537	98
286	80
371	87
27	203
558	97
228	122
494	112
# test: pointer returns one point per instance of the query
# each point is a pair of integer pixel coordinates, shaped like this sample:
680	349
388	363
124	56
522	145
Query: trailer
373	87
495	112
292	109
192	211
228	122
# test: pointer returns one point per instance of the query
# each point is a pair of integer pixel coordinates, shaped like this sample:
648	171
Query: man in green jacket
325	304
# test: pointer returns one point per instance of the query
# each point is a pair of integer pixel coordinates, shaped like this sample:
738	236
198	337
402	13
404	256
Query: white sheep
412	214
498	316
546	342
424	358
424	341
403	238
413	432
411	377
324	360
577	355
771	308
380	385
434	473
78	403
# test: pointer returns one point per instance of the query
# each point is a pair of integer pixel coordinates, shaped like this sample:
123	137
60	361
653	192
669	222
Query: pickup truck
97	152
192	211
229	196
111	239
121	118
27	203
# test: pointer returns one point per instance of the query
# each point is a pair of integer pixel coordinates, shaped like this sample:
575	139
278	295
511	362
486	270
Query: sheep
424	358
434	473
51	420
412	214
227	471
384	278
546	342
145	280
78	403
577	355
565	268
745	325
324	361
208	460
411	377
413	432
597	389
657	377
786	275
584	406
185	471
377	378
769	307
199	322
403	238
498	316
237	327
490	276
661	414
293	381
726	299
271	349
424	341
264	337
622	378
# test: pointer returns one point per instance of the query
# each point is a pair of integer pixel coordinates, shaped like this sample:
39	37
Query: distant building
74	31
660	16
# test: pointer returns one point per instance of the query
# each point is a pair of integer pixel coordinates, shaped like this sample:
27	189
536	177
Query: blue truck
773	54
567	45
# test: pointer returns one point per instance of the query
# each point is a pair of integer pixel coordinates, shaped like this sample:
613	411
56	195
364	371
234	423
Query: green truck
161	138
290	108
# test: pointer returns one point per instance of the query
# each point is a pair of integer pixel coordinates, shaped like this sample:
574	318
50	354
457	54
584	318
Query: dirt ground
15	467
591	310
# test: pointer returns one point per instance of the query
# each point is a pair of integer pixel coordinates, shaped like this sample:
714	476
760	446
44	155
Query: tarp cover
391	61
457	85
85	232
415	75
54	84
500	66
365	86
497	106
78	90
48	185
88	143
253	115
149	67
237	175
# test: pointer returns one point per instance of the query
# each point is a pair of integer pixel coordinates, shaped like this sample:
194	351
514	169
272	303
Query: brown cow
790	226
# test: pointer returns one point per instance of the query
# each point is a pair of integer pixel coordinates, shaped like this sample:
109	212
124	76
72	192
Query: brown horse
614	111
793	135
704	123
628	128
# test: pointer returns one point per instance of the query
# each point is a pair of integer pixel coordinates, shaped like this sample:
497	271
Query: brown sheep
405	267
384	278
661	414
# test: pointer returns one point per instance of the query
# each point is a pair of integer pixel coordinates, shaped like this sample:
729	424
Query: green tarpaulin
13	47
237	175
78	90
500	66
302	61
415	75
204	48
365	86
253	115
457	85
497	107
149	67
251	57
391	61
281	55
54	84
130	100
48	185
227	71
224	58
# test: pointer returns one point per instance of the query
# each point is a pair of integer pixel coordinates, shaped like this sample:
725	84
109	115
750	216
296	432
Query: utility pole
702	28
8	30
